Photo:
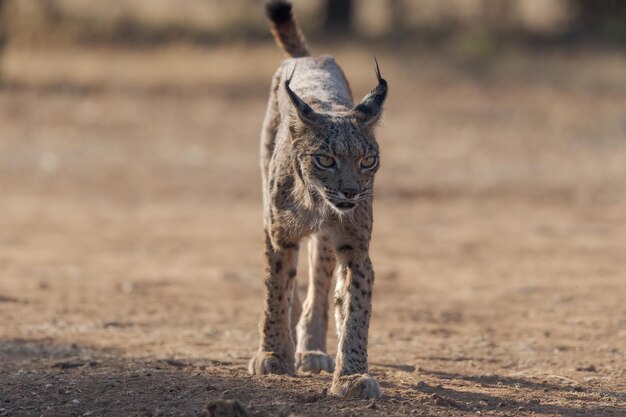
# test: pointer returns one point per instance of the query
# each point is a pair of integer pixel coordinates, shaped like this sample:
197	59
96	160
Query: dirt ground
130	235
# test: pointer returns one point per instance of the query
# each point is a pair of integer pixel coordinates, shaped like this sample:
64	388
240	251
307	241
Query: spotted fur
319	156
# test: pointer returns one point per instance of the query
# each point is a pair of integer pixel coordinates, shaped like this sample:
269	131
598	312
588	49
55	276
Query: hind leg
296	312
311	353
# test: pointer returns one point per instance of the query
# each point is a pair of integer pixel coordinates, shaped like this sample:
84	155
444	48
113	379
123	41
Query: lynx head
336	154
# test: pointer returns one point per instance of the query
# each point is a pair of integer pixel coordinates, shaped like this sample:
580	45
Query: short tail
285	29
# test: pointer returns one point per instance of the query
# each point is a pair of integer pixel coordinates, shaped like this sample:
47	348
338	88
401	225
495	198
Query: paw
270	363
314	362
355	386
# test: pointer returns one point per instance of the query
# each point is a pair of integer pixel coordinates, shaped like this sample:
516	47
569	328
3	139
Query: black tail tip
278	11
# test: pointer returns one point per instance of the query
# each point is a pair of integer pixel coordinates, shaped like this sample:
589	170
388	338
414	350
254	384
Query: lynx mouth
344	205
340	206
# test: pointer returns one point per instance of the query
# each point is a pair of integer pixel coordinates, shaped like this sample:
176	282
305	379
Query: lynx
319	156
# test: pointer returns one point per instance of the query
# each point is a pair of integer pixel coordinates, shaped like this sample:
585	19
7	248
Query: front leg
276	351
353	310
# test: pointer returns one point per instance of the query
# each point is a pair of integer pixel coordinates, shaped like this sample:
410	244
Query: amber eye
369	162
324	161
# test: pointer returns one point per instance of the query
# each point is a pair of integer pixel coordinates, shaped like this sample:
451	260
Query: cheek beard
324	205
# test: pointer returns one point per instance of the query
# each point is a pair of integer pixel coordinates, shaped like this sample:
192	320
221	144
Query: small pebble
421	385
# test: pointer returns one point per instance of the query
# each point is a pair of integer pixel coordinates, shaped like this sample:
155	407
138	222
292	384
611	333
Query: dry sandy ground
130	235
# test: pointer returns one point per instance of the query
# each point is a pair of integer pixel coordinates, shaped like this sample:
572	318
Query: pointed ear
305	112
368	111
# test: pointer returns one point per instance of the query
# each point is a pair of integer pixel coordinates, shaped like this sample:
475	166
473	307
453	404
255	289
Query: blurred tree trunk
398	16
3	31
338	16
592	14
498	14
52	12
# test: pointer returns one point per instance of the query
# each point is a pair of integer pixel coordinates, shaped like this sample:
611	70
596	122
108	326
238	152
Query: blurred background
206	21
476	79
130	204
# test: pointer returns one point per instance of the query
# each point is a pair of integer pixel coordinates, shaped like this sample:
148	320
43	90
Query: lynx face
338	158
336	154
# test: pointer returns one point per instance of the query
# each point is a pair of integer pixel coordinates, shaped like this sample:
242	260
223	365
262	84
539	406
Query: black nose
350	193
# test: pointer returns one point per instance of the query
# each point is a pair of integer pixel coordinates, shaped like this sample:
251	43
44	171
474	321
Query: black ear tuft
305	112
370	108
379	77
278	11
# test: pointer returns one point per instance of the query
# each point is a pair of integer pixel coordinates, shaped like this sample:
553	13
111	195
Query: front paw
355	386
314	362
270	363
